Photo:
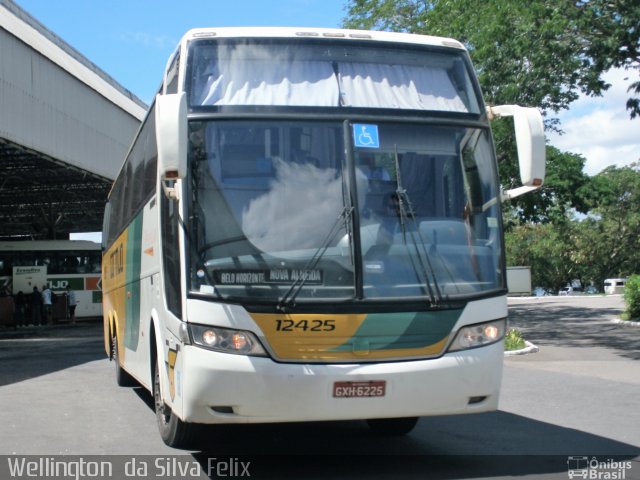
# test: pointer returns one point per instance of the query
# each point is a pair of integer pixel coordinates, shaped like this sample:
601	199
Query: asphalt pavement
576	398
586	374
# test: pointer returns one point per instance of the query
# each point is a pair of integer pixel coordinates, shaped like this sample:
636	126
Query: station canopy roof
43	198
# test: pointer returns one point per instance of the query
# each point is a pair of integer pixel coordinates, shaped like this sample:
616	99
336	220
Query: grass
626	316
513	340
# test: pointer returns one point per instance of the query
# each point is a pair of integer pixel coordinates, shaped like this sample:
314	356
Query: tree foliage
614	39
632	298
545	248
615	199
604	244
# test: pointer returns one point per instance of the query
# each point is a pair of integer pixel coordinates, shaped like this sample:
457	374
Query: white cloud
599	128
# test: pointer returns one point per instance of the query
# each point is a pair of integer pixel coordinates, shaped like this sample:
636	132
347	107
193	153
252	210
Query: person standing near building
36	307
20	302
47	304
71	305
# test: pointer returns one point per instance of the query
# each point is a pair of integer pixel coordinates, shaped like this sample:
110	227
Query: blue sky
132	39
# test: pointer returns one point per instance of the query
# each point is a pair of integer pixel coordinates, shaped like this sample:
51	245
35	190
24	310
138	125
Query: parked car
591	290
566	291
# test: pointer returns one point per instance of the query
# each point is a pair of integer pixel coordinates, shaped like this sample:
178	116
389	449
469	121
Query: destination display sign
273	276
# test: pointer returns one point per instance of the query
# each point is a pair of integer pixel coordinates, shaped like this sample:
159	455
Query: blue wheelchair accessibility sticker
365	135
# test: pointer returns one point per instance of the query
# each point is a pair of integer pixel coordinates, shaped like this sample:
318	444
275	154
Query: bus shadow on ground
497	444
31	352
575	326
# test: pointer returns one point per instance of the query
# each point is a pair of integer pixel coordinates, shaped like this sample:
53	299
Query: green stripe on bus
133	266
390	331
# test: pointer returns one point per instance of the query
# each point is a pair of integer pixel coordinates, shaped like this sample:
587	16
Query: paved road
577	397
587	373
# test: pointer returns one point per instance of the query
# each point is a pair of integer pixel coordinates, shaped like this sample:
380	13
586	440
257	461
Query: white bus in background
308	227
614	286
60	264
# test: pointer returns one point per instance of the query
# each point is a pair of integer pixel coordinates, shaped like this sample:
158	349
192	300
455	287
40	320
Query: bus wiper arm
290	295
404	204
194	252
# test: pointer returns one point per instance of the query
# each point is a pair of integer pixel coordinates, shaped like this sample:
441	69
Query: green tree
615	207
613	29
590	252
632	298
605	243
546	249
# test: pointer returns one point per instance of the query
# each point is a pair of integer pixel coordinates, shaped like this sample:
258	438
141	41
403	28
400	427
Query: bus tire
392	426
173	431
123	379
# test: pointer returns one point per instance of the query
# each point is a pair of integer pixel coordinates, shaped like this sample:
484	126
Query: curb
530	348
44	331
626	323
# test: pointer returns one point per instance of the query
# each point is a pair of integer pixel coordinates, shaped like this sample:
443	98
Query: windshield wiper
201	266
435	296
290	295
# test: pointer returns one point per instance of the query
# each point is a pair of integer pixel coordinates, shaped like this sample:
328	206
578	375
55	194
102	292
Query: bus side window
171	255
70	264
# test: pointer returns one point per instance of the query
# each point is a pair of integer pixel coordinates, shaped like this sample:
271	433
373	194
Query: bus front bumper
224	388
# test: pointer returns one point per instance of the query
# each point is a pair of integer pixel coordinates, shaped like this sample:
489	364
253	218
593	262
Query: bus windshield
274	72
277	205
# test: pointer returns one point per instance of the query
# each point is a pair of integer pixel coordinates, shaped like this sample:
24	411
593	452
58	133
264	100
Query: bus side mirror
531	146
171	137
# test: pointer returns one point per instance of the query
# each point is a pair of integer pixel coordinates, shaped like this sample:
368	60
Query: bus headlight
225	340
478	335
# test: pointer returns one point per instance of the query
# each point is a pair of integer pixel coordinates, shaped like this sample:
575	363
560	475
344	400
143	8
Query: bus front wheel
174	432
392	426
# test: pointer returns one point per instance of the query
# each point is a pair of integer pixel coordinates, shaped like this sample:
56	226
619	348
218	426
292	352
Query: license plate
373	388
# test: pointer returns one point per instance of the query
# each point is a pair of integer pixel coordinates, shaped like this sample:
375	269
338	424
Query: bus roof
327	33
52	245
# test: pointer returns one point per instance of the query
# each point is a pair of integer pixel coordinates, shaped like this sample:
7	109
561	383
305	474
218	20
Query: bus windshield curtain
264	82
398	86
316	84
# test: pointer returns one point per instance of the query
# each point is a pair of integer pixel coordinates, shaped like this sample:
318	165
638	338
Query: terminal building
65	127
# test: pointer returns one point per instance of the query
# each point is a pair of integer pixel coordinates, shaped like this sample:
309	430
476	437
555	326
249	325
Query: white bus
308	227
58	264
